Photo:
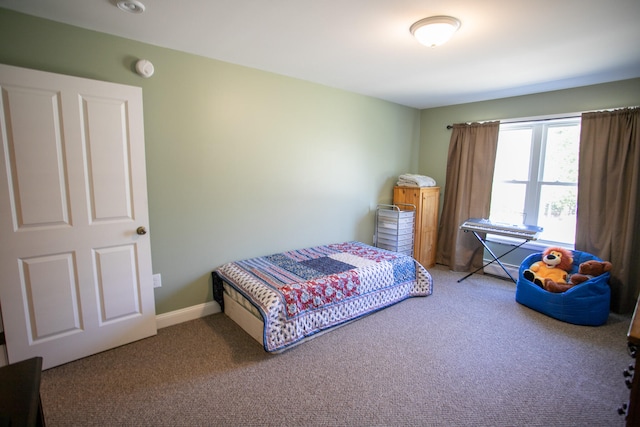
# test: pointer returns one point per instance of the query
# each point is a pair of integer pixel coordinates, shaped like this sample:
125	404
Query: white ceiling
504	47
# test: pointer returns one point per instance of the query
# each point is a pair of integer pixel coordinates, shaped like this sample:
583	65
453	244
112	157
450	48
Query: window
536	177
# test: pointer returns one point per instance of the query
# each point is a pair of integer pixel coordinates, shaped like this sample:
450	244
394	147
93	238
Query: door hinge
2	341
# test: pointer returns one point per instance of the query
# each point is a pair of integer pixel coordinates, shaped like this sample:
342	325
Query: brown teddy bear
551	273
588	270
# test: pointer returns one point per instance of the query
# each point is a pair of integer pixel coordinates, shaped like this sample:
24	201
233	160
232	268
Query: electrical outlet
157	280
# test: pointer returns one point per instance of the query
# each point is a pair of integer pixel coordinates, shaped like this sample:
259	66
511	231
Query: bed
284	299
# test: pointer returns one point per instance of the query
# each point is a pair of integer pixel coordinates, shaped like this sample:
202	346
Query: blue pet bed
584	304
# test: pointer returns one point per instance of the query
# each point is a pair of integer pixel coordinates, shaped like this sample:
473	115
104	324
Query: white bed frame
254	326
244	318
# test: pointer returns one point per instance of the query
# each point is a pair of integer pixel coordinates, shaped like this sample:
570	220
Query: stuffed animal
588	270
551	273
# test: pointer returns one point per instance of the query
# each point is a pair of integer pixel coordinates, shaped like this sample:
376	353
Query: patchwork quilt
303	292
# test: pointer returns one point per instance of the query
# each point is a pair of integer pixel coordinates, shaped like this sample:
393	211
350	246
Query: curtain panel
608	223
469	178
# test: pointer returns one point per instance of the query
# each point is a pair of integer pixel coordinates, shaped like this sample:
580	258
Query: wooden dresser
632	409
426	201
20	403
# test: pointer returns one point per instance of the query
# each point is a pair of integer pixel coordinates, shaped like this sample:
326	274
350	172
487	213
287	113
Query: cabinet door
428	226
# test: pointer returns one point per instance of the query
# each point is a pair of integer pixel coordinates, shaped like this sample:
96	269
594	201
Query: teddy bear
588	270
551	273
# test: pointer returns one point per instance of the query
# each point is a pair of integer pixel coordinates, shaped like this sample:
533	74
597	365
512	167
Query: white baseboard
185	314
495	270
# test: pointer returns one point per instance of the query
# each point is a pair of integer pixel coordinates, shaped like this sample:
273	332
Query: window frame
535	183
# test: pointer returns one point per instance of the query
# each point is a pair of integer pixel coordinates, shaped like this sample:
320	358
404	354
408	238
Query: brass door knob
141	230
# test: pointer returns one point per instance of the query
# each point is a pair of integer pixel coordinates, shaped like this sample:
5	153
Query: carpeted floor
468	355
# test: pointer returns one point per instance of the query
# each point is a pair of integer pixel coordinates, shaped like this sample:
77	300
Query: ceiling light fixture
133	6
435	30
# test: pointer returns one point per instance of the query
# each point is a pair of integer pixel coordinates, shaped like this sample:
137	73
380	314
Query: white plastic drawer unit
394	228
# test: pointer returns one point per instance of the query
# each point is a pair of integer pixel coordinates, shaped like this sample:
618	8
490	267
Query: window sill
533	245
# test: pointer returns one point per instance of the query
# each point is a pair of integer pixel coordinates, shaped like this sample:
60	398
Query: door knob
141	230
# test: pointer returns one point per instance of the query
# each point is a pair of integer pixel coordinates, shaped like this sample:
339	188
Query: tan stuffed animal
551	273
588	270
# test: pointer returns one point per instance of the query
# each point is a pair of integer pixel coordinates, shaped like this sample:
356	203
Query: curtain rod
551	117
531	120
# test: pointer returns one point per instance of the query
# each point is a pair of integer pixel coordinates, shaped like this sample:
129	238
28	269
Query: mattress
301	293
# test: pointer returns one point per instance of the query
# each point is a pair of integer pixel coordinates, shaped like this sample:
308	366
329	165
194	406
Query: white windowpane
513	155
507	202
561	154
536	177
557	213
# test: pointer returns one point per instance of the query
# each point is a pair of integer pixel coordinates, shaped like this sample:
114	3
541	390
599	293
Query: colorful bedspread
303	292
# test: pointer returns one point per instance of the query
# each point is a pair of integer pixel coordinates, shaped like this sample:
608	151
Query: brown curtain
608	224
470	165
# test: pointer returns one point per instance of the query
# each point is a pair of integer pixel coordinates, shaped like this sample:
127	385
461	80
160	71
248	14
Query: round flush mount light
435	30
132	6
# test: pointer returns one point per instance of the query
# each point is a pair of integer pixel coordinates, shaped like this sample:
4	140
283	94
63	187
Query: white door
75	276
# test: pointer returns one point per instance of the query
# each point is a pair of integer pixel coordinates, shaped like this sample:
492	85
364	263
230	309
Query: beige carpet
468	355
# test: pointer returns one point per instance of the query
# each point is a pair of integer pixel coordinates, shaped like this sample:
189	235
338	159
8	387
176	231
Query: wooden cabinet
20	403
426	201
632	373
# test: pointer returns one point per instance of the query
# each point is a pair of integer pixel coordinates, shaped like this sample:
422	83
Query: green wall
243	163
240	162
434	140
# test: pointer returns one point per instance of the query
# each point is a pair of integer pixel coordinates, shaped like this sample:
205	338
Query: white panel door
75	275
